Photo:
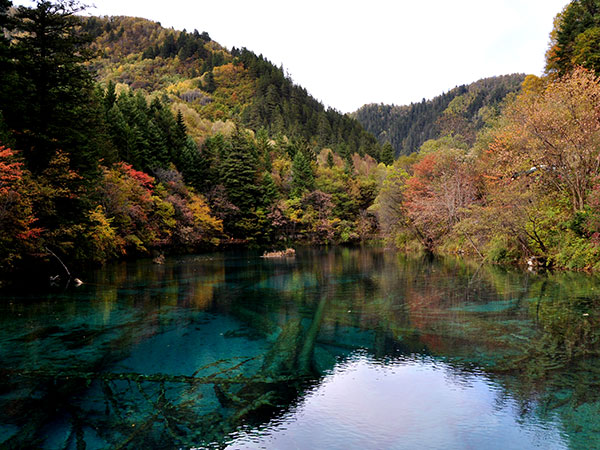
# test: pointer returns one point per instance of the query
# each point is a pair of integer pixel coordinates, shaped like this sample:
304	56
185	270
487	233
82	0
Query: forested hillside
461	112
217	84
122	138
528	187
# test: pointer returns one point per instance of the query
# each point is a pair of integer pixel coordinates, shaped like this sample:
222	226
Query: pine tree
323	130
575	38
330	161
110	97
209	82
387	154
180	134
269	189
54	88
303	178
149	53
169	48
158	153
193	166
263	146
239	173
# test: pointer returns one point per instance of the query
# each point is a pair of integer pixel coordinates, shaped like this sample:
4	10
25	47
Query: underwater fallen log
227	399
305	356
26	436
33	413
137	377
280	363
148	424
256	321
266	400
282	357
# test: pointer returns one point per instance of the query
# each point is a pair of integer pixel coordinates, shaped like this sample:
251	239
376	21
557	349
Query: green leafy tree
575	39
389	204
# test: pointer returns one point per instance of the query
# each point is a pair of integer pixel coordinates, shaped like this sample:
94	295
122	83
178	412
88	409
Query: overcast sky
347	53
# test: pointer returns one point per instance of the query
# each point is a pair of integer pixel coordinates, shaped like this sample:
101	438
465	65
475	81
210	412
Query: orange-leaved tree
443	185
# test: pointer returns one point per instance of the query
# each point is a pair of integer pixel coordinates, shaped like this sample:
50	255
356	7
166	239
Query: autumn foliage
18	224
527	188
179	145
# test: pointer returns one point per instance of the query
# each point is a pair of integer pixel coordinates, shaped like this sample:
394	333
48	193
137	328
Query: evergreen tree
119	131
387	154
213	152
193	166
110	96
330	161
169	48
209	82
158	153
55	107
239	172
323	130
263	146
576	38
303	178
135	113
180	134
149	53
180	124
269	189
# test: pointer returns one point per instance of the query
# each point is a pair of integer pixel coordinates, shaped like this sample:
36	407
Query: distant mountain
461	111
213	84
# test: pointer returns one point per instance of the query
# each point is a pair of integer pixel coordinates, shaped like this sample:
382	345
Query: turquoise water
333	349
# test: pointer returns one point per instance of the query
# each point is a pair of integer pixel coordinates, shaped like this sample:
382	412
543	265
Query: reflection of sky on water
403	404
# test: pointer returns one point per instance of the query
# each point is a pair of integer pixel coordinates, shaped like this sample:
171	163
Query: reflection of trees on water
538	336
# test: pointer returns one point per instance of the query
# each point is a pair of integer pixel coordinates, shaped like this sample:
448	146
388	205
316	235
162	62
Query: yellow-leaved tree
557	134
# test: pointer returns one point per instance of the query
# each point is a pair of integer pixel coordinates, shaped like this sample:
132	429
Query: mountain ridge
213	83
463	111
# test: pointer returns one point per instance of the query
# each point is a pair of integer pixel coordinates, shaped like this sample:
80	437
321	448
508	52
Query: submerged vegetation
188	353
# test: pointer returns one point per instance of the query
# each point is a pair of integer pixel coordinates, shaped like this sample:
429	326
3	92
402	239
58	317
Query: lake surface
333	349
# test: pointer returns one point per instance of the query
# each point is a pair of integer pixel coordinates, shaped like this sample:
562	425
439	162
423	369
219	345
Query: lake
334	349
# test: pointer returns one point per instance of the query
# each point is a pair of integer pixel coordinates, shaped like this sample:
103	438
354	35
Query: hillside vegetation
123	138
218	85
527	188
120	138
460	112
